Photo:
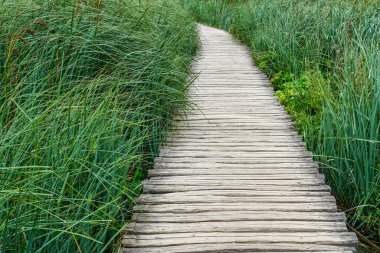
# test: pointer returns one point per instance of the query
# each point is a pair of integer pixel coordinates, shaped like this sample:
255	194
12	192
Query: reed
88	91
323	60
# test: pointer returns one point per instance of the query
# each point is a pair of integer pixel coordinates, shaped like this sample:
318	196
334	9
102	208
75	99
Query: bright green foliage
323	58
88	90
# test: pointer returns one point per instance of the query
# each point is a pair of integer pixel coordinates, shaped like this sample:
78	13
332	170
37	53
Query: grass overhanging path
87	92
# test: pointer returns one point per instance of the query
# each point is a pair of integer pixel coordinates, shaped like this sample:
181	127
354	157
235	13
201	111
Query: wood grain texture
235	175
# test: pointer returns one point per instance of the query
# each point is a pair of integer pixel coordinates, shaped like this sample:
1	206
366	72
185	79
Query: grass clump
323	60
88	90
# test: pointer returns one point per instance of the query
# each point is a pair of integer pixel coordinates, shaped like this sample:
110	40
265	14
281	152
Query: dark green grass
88	91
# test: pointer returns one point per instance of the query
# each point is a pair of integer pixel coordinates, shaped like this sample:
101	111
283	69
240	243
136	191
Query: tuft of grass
323	60
88	91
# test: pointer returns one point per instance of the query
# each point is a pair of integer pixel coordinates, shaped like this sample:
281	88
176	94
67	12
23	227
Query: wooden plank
241	109
235	154
249	174
232	127
204	116
153	188
232	117
237	226
238	193
237	216
237	133
235	160
227	92
232	148
232	207
214	165
243	247
252	136
158	199
225	182
225	146
260	94
245	111
324	238
252	125
230	171
251	119
268	148
242	178
222	144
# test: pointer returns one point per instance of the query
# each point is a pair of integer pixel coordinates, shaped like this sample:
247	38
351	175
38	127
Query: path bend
235	177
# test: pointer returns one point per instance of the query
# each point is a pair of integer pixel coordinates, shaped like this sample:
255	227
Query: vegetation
88	90
323	58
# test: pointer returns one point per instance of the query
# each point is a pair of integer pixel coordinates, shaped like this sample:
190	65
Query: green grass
88	91
324	62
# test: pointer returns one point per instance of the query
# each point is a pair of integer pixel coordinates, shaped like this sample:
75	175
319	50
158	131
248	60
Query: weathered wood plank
244	247
216	143
262	160
152	188
238	193
267	148
204	117
235	154
206	207
247	176
236	226
251	119
286	173
243	178
214	165
252	138
324	238
224	184
275	135
157	199
237	216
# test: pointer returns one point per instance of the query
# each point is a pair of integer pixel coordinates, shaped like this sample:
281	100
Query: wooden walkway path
236	177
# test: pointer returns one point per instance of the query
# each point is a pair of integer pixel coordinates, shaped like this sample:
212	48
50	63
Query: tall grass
88	90
323	59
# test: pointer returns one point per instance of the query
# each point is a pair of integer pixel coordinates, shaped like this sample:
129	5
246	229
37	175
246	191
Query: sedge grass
323	59
88	90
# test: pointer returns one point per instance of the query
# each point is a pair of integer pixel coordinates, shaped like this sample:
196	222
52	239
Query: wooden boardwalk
236	177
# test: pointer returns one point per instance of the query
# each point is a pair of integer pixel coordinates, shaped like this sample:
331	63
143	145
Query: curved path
236	177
